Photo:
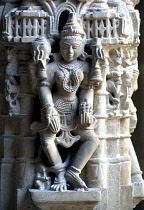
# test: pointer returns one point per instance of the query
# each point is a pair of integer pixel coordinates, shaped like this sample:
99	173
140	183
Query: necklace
71	81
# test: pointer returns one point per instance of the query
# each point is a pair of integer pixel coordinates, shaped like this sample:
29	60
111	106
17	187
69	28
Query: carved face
71	49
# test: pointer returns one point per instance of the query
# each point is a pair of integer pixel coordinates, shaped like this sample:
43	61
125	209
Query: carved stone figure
59	110
11	84
114	80
134	87
68	72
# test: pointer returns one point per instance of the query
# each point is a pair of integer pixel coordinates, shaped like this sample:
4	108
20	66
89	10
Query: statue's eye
75	46
65	46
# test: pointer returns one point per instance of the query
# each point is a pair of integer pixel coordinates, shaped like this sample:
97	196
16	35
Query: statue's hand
86	120
53	122
86	117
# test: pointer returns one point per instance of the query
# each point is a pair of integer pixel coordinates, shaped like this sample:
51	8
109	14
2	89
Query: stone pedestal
78	90
66	200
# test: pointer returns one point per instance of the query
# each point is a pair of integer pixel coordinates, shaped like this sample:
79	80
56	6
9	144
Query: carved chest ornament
71	80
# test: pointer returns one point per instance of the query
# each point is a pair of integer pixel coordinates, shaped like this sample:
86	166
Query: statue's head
72	39
41	50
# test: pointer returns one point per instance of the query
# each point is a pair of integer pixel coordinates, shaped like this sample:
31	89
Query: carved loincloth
68	119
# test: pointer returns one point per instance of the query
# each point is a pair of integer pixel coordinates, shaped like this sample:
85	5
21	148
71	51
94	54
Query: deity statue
67	113
68	72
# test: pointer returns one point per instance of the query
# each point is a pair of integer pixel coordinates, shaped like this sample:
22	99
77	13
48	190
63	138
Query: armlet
86	87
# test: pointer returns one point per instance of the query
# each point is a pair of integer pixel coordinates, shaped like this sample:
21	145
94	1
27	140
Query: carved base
65	200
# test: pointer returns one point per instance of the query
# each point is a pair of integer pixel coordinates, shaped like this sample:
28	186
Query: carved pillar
82	97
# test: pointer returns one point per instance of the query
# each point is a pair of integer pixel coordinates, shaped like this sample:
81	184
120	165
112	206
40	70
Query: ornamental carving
70	74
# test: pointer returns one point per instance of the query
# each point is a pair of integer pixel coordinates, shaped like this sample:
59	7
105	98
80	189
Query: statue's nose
70	49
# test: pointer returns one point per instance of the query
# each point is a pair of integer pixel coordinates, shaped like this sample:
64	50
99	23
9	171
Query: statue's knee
95	140
91	137
47	139
47	144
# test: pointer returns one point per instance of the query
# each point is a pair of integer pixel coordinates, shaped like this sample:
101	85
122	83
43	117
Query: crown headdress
72	27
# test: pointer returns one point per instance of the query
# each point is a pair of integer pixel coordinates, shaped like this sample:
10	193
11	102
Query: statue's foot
60	181
137	180
59	186
138	183
75	180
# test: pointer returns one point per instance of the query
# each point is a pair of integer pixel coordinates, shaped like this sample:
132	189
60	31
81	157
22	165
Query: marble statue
68	72
62	111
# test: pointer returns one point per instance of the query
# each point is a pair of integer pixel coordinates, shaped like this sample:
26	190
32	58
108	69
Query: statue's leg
51	150
89	144
136	173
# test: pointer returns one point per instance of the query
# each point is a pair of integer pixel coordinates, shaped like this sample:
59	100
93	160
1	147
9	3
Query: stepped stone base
66	200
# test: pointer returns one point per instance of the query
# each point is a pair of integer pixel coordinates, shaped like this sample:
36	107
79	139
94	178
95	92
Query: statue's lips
70	55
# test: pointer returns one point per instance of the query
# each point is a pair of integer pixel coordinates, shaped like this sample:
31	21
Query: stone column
111	33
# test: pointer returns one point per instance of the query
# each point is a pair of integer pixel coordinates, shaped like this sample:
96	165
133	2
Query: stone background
138	98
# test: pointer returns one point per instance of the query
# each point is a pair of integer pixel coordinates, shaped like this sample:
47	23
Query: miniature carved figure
11	84
114	81
126	82
134	87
